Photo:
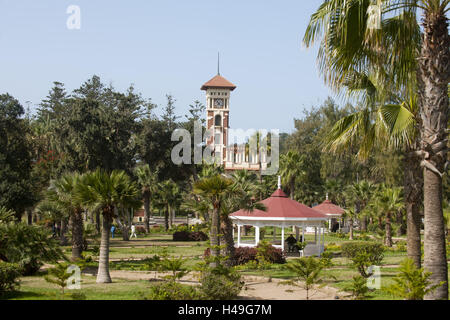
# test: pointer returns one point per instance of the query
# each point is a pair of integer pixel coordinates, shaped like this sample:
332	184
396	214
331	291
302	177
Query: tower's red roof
327	207
218	82
280	206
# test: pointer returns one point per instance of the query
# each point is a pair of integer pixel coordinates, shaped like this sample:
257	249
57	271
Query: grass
128	255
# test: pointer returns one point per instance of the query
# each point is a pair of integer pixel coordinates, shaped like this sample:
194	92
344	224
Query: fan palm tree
350	44
389	202
62	193
148	181
361	193
291	170
171	197
215	189
105	192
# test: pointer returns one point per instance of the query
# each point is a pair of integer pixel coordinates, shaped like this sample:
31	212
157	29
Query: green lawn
128	255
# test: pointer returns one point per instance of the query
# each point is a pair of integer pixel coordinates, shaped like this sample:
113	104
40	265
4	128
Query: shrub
140	230
244	255
269	253
9	272
411	283
189	236
363	255
358	288
220	283
172	291
58	275
28	246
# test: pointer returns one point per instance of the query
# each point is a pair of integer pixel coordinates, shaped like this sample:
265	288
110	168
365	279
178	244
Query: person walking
133	231
113	228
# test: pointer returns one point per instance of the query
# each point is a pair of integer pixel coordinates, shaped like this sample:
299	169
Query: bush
358	288
363	255
270	254
189	236
220	283
172	291
244	255
9	272
28	246
411	283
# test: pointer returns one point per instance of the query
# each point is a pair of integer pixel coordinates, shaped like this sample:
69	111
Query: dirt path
256	288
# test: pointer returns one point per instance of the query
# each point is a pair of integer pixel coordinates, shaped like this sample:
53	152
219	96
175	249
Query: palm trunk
147	212
401	230
434	66
166	218
62	233
97	221
214	234
350	221
227	231
388	239
292	187
30	216
413	189
77	234
103	275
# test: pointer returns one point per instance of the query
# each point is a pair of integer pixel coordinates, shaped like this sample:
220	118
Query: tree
359	194
148	181
291	170
389	202
106	192
215	189
15	157
62	194
307	273
169	193
345	22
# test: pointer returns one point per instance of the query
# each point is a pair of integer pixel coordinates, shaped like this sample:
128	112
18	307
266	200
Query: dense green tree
15	157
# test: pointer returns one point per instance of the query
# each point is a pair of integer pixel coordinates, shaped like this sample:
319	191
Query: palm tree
389	202
215	189
361	193
148	181
350	215
106	192
170	196
291	170
350	45
62	194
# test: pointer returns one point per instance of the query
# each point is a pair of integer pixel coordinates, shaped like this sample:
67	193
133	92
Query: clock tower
218	91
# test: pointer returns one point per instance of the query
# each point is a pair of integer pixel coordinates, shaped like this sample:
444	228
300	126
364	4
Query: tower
218	91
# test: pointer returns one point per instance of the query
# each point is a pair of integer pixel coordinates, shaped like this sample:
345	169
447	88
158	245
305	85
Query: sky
167	47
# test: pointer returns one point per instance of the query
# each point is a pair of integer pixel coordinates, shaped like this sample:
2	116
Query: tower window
218	120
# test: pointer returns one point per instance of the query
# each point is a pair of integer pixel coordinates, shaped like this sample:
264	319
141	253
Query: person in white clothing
133	231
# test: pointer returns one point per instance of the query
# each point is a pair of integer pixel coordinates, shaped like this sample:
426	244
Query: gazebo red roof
327	207
218	82
279	205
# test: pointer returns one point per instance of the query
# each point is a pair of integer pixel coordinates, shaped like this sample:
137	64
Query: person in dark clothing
291	241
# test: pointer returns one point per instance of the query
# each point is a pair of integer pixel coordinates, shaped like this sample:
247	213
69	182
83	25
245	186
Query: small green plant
358	288
411	283
363	255
220	282
325	259
307	273
173	291
153	264
174	265
58	275
9	273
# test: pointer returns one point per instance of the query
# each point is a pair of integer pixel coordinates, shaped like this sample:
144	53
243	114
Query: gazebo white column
239	236
256	236
297	233
282	238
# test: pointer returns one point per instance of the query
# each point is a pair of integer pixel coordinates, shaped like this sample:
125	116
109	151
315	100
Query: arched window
218	120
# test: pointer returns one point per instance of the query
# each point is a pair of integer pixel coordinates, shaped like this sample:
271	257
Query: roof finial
279	182
218	63
327	195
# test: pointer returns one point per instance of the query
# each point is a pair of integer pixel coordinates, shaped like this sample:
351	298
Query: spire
279	182
218	63
327	195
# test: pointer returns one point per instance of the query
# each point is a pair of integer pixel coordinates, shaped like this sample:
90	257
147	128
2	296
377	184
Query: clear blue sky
167	47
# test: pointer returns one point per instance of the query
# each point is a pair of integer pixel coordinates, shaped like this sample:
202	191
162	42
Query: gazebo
332	211
282	212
